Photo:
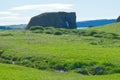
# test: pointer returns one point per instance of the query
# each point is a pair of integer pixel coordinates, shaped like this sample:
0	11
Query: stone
54	19
118	19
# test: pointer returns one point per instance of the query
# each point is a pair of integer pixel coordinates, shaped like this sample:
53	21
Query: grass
72	53
66	52
13	72
112	28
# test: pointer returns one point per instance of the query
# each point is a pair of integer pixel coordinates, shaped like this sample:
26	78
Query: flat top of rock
46	13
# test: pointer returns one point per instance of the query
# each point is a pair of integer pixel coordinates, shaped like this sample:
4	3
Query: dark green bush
91	70
49	32
63	31
82	71
6	34
36	28
106	35
87	33
59	66
6	61
1	51
117	70
58	33
52	29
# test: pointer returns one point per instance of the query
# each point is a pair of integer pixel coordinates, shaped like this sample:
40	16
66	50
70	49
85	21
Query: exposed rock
118	19
55	19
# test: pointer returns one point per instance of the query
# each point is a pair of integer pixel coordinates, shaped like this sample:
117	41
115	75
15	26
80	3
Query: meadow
60	54
13	72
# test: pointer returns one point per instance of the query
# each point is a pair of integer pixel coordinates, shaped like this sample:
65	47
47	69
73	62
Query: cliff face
118	19
55	19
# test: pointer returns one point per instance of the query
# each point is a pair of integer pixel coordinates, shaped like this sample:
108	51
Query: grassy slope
12	72
62	49
58	48
112	28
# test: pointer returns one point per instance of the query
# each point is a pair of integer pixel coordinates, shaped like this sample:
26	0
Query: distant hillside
111	28
92	23
13	27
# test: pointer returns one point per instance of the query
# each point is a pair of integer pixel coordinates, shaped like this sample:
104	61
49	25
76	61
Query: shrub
63	31
105	35
87	33
59	66
6	61
82	71
91	70
1	51
58	33
117	70
36	28
6	34
49	32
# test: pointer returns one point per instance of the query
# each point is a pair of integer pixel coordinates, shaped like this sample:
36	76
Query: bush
82	71
91	70
117	70
49	32
1	51
36	28
58	33
6	34
87	33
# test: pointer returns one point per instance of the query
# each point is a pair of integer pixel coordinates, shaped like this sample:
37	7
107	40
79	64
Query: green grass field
72	53
13	72
112	28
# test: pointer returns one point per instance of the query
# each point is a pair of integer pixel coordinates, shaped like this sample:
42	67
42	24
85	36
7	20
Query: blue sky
20	11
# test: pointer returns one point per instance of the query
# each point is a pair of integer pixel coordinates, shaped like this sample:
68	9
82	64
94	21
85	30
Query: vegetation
13	72
60	31
92	51
110	28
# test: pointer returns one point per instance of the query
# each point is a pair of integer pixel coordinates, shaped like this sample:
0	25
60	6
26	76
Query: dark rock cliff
55	19
118	19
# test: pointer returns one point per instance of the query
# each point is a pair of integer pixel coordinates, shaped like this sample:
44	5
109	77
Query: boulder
54	19
118	19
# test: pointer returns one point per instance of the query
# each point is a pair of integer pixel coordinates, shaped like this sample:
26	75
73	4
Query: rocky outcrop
55	19
118	19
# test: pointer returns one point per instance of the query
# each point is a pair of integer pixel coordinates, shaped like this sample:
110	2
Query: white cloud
10	20
13	18
7	13
12	15
43	7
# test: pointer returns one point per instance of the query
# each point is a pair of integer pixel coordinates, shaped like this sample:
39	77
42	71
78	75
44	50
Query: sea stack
54	19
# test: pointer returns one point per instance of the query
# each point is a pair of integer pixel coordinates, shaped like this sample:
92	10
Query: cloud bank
44	7
23	13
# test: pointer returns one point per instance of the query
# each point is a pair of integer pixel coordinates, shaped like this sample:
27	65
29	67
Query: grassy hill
77	53
112	28
13	72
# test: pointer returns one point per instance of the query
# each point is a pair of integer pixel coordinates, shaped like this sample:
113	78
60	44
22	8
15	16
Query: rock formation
55	19
118	19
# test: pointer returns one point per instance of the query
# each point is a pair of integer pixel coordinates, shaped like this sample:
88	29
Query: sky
20	11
